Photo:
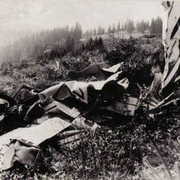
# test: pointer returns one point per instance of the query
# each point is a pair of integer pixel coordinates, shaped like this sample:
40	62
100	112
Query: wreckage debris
35	135
44	114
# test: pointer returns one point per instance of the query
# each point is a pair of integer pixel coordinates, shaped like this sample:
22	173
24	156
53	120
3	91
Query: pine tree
152	27
99	30
114	28
158	26
96	42
70	44
109	29
77	32
94	32
142	26
123	26
103	30
118	27
130	26
100	43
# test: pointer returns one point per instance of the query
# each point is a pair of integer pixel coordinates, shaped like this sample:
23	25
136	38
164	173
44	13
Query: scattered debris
33	120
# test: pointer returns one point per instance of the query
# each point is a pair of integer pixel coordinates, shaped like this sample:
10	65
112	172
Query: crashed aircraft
70	107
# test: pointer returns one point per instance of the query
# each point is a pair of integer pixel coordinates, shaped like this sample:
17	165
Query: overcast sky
89	13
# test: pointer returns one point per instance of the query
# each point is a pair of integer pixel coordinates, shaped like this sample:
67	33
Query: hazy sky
89	13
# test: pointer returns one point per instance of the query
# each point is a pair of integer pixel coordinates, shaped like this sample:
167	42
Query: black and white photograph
89	90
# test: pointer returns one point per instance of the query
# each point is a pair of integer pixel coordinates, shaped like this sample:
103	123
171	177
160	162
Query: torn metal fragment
21	151
35	135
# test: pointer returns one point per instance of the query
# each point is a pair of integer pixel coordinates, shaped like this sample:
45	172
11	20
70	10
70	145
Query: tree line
48	45
58	42
154	26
